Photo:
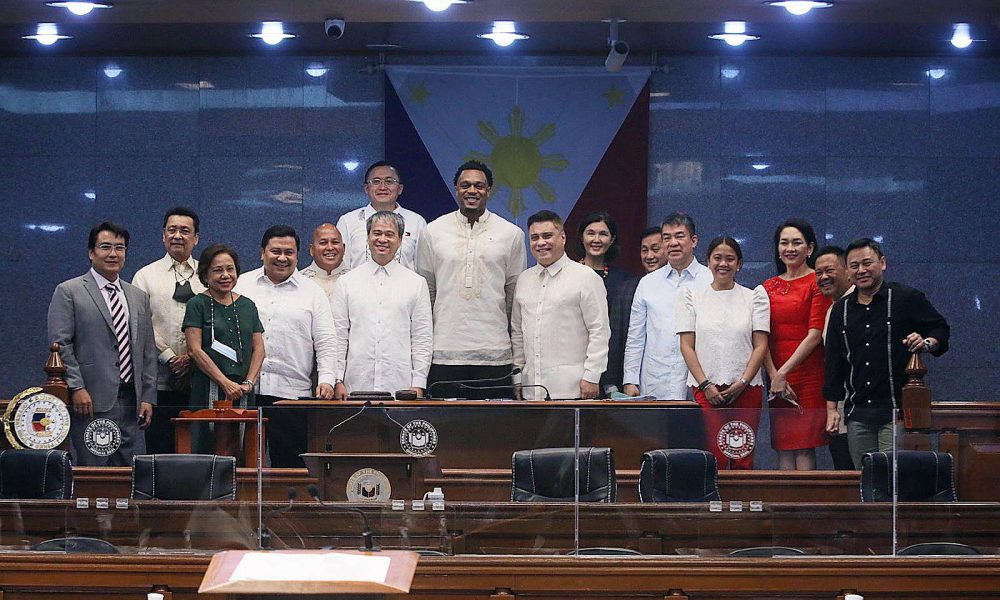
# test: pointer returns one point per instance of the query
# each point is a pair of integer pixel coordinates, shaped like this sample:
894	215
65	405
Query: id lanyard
224	349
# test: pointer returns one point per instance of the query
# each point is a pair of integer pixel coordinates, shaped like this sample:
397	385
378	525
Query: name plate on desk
310	572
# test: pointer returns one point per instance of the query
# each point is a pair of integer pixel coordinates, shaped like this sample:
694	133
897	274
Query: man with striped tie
104	329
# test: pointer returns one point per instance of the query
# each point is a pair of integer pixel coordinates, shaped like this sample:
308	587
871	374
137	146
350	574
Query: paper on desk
330	566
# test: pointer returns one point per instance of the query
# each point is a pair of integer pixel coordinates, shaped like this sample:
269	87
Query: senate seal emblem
736	439
36	420
418	438
368	485
102	437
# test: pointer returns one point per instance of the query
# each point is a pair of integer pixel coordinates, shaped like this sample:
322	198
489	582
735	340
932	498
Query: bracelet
704	385
743	381
247	382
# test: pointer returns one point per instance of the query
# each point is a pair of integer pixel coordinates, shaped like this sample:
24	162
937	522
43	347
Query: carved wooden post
916	406
55	384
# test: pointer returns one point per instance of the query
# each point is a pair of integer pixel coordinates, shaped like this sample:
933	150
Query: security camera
335	28
616	57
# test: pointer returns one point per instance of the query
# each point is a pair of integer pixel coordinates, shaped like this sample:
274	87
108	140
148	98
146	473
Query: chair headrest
36	474
183	477
678	475
546	475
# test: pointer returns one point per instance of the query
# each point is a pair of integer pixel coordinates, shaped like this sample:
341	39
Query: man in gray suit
105	335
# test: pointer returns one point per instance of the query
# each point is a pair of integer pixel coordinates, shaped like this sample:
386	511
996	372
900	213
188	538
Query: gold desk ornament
36	419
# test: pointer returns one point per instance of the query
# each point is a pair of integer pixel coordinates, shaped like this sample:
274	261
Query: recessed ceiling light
799	7
316	69
112	70
936	73
272	32
46	34
734	33
440	5
79	8
503	34
962	36
351	165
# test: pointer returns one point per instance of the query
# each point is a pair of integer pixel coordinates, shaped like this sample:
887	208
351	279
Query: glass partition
707	482
943	484
431	476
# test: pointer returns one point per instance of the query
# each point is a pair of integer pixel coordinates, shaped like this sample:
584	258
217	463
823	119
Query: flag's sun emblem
517	161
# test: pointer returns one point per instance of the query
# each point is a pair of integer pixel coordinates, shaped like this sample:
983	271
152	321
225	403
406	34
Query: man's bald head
327	247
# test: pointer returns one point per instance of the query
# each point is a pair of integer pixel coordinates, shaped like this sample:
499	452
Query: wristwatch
928	343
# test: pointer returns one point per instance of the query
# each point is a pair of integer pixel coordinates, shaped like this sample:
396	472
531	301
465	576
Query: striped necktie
120	325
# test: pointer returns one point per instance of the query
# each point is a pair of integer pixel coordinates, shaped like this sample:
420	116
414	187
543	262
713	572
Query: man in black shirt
871	333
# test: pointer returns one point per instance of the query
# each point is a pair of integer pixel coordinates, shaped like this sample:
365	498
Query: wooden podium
346	573
405	473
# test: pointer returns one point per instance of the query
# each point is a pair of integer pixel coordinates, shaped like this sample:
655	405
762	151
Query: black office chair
939	549
36	474
678	476
77	545
604	552
767	551
924	476
183	477
546	475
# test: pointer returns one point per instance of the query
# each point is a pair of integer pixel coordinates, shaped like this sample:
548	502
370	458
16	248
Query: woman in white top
723	332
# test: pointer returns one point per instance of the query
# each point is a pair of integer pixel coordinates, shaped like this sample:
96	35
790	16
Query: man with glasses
105	336
471	259
383	186
170	282
871	333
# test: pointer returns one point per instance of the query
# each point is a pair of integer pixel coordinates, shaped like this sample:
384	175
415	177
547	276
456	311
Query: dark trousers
287	432
160	433
841	453
440	374
88	450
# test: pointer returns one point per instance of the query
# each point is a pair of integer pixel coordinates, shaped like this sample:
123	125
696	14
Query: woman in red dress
795	360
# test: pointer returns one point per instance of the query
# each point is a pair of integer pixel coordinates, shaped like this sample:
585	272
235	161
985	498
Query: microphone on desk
366	535
266	534
464	383
523	386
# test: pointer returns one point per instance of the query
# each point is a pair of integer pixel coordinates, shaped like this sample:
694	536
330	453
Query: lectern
274	574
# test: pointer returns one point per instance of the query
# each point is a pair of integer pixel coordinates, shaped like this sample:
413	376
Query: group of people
449	309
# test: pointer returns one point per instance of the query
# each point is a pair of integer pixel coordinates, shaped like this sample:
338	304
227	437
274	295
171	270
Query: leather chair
36	474
77	545
924	476
546	475
183	477
939	549
767	551
678	476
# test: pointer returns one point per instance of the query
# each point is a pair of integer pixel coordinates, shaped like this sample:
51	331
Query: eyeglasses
106	247
377	181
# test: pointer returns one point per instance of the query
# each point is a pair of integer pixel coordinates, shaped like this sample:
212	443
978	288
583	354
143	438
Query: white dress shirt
560	328
354	229
471	271
653	358
323	279
298	328
158	279
723	323
382	320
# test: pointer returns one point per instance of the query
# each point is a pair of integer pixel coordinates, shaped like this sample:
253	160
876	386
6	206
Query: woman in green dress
223	332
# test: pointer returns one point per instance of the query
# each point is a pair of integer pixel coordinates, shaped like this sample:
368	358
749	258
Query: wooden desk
507	528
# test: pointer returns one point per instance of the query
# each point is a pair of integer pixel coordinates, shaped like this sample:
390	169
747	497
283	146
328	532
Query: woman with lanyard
223	332
724	329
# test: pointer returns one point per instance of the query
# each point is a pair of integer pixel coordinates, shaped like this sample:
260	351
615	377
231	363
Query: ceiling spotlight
800	7
734	34
79	8
730	72
503	34
46	34
619	49
936	73
272	32
440	5
961	38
